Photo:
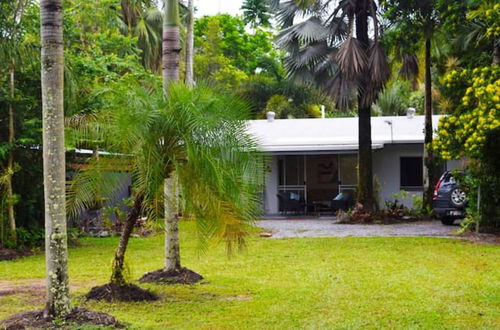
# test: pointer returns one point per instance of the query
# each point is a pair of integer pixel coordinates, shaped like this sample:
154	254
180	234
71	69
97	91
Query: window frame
407	187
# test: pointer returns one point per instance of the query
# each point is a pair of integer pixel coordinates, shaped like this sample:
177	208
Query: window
348	170
291	170
411	173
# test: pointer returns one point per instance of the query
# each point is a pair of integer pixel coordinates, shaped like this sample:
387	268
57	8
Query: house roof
335	134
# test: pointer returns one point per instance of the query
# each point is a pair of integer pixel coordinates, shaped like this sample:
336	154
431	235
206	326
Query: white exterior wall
271	200
386	169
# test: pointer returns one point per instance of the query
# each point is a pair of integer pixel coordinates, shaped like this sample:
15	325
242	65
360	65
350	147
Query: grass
290	283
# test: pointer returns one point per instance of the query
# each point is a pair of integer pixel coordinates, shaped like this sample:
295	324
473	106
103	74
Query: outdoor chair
288	204
343	201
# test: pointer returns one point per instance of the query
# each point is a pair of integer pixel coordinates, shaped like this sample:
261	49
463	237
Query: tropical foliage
193	132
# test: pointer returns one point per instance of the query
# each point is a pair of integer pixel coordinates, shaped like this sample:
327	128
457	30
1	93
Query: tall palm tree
171	49
322	49
54	169
190	44
421	16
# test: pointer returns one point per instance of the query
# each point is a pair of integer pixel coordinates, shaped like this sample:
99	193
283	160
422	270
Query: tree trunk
171	44
190	45
429	159
496	52
365	182
172	253
10	163
117	276
170	58
54	165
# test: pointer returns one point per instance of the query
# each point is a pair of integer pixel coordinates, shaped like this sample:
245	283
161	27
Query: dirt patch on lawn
182	276
491	239
10	254
113	292
78	317
31	291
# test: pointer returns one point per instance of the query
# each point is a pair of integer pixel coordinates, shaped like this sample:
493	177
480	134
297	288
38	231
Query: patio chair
343	201
288	204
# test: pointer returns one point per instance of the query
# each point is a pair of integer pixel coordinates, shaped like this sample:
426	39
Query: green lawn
291	283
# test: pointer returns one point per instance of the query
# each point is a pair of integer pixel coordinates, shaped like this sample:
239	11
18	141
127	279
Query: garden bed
77	318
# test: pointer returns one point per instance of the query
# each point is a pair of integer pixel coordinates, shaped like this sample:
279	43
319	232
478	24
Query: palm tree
256	12
193	132
422	17
171	50
143	20
190	44
56	250
323	50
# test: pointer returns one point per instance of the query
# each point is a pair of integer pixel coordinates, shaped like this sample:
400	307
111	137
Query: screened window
411	173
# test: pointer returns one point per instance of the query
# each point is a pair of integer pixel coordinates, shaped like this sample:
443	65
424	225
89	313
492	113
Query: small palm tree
193	132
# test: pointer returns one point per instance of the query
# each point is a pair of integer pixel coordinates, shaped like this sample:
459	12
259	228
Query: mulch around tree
181	276
113	292
78	317
10	254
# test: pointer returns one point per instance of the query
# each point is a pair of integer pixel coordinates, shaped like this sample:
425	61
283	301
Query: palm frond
379	73
341	89
196	133
311	30
94	182
351	59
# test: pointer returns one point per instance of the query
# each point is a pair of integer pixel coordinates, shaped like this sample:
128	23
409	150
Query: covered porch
305	183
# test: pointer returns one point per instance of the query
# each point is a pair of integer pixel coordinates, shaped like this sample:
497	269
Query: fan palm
193	132
322	49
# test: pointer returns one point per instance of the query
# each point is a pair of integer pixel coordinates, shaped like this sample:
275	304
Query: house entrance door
322	177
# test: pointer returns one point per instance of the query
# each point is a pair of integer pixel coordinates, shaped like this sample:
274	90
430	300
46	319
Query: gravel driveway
328	228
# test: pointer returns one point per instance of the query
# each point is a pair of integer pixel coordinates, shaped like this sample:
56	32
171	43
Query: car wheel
447	221
458	197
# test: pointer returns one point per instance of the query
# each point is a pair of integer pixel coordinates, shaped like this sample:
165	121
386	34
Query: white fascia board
315	147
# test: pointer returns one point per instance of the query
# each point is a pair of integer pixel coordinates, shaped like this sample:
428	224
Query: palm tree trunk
171	43
190	45
365	182
117	276
10	163
429	159
170	57
172	253
54	168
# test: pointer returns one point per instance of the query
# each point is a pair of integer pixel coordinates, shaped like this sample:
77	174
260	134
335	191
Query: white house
317	158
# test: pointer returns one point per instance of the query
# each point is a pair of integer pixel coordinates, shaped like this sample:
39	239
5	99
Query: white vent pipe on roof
270	116
410	112
323	112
